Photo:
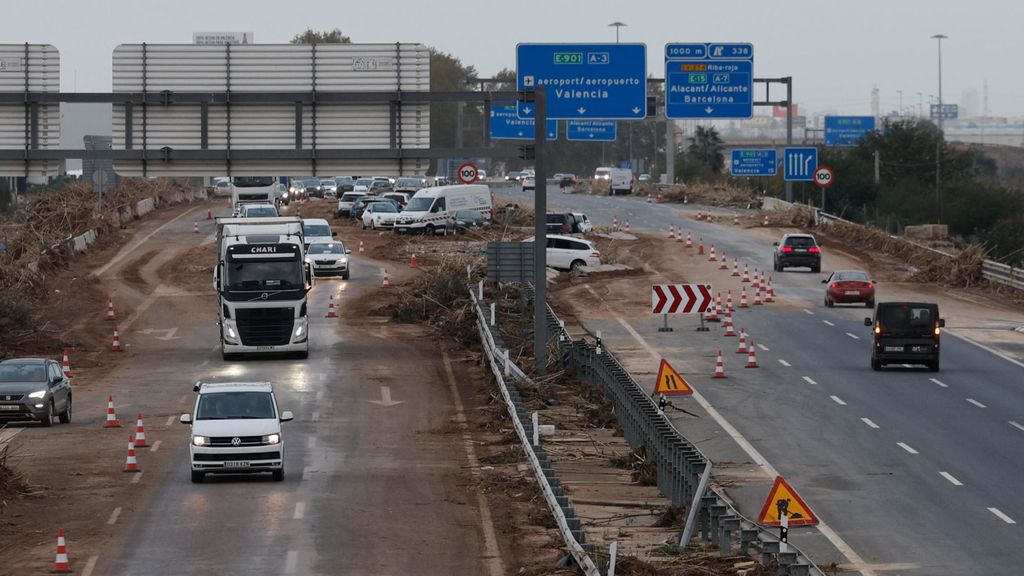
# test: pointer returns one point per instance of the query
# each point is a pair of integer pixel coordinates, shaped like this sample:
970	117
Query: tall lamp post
942	136
618	25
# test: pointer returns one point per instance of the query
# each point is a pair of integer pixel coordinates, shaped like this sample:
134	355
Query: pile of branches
440	298
796	217
702	193
12	483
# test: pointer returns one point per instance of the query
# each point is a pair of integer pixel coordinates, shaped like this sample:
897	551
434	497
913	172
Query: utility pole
540	245
899	111
789	128
942	136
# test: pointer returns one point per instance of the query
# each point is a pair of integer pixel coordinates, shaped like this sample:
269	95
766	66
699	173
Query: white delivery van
621	181
430	209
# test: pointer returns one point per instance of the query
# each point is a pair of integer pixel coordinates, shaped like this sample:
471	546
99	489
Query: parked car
797	250
849	287
345	183
430	209
463	221
906	333
401	197
360	205
410	184
565	180
568	253
362	185
583	225
222	188
329	188
316	230
379	215
235	429
346	201
258	211
380	186
328	258
34	389
561	223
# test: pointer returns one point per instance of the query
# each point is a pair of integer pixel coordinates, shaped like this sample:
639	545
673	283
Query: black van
906	333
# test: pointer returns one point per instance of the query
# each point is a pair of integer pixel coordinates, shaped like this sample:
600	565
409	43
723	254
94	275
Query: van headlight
272	439
200	440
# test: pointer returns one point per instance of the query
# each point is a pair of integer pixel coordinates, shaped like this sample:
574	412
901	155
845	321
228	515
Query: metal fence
1003	274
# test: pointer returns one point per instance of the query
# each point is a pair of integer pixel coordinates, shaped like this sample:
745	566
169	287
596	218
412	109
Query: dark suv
34	389
797	250
906	333
562	223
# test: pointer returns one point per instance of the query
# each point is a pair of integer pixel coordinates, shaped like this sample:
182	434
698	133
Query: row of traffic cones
750	351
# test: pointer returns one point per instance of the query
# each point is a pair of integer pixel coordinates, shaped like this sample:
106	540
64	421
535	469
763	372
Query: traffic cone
724	265
746	274
112	421
627	226
718	302
671	232
751	355
412	261
757	279
743	298
66	365
689	240
742	348
61	564
140	432
771	291
700	247
387	280
195	227
728	302
209	214
712	257
331	312
362	249
115	345
735	219
765	223
648	197
679	234
700	216
735	268
110	309
757	296
659	197
711	314
729	331
719	367
130	464
615	223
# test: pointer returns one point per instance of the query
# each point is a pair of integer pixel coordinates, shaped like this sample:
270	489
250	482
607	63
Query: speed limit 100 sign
468	174
824	176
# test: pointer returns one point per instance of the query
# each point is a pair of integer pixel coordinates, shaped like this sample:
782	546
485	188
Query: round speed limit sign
824	176
468	173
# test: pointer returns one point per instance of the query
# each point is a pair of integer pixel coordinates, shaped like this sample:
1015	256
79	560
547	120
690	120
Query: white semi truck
262	280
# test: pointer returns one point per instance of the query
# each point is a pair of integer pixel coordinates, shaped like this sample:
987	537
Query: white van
621	181
430	209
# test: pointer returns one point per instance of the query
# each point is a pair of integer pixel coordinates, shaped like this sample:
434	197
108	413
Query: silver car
34	389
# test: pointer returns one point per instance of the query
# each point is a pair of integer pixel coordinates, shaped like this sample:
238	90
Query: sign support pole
666	327
702	327
789	128
540	249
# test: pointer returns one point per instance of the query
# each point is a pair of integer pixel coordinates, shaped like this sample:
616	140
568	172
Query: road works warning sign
783	500
669	381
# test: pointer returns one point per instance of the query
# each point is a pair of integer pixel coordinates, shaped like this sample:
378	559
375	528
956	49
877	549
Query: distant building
222	38
99	171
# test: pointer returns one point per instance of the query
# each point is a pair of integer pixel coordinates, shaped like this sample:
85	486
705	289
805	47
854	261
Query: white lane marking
300	510
8	433
809	380
137	477
826	530
808	312
939	382
762	347
215	347
113	516
976	403
495	564
311	442
306	472
828	323
951	479
205	362
869	423
1002	516
987	349
784	363
319	395
170	420
90	565
323	376
1017	426
156	446
183	399
315	416
838	400
121	255
852	335
291	562
907	448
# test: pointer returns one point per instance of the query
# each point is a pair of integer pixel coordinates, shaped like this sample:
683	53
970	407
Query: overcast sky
836	51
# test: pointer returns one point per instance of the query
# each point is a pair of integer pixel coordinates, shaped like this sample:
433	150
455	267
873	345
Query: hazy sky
835	50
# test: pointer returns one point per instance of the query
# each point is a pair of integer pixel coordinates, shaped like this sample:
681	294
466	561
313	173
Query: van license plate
894	348
264	348
236	464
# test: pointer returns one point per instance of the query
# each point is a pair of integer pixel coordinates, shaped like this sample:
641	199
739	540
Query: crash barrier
682	469
508	376
1003	274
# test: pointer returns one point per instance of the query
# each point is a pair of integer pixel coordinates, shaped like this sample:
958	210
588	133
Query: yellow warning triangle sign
669	381
784	500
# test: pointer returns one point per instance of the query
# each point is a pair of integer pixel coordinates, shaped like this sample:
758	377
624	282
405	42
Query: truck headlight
200	440
299	330
38	394
272	439
231	332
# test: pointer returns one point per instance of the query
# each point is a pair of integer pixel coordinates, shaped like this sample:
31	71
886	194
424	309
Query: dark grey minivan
905	333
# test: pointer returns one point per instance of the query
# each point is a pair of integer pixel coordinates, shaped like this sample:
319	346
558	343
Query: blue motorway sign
505	124
799	163
754	162
709	80
585	81
847	130
590	130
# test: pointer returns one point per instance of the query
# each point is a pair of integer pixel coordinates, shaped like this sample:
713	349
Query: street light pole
942	136
617	25
899	111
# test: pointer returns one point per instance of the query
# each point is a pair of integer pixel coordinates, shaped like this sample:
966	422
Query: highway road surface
912	472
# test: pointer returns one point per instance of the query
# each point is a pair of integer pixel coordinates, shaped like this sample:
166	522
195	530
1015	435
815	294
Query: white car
316	230
236	429
328	258
379	215
258	211
346	201
362	185
583	224
529	183
570	253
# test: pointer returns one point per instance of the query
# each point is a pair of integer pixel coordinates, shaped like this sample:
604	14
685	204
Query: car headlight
343	260
38	394
309	260
272	439
200	440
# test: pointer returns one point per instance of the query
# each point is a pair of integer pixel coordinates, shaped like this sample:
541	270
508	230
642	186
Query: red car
849	287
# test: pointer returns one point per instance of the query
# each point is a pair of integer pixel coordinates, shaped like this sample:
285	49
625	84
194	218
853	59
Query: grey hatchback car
34	389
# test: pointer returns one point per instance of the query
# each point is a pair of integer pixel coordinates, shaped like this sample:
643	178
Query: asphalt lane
915	475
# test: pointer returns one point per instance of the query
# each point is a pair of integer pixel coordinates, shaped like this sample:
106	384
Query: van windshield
421	204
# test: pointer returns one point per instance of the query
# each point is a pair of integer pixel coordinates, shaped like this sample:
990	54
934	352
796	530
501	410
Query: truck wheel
197	477
430	230
277	475
304	354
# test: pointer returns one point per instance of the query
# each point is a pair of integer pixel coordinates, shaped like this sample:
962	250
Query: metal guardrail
1003	274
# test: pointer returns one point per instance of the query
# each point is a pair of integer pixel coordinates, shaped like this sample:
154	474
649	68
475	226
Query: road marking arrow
385	398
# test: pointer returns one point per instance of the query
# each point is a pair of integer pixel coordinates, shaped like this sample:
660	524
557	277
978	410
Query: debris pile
12	483
702	193
439	298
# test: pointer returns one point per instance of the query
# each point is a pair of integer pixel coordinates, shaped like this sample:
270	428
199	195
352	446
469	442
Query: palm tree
706	147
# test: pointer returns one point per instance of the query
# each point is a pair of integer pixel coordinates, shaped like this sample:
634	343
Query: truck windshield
264	274
253	181
421	204
233	405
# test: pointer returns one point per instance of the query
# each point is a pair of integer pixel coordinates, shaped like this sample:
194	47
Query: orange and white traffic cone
627	226
679	234
765	223
700	247
61	565
724	265
615	223
743	298
712	257
66	365
110	309
746	274
757	296
112	421
209	214
728	302
331	312
729	331
742	348
671	232
751	355
195	227
735	219
387	280
735	268
648	197
412	261
130	464
140	432
770	297
719	366
362	249
115	344
700	215
659	197
689	240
